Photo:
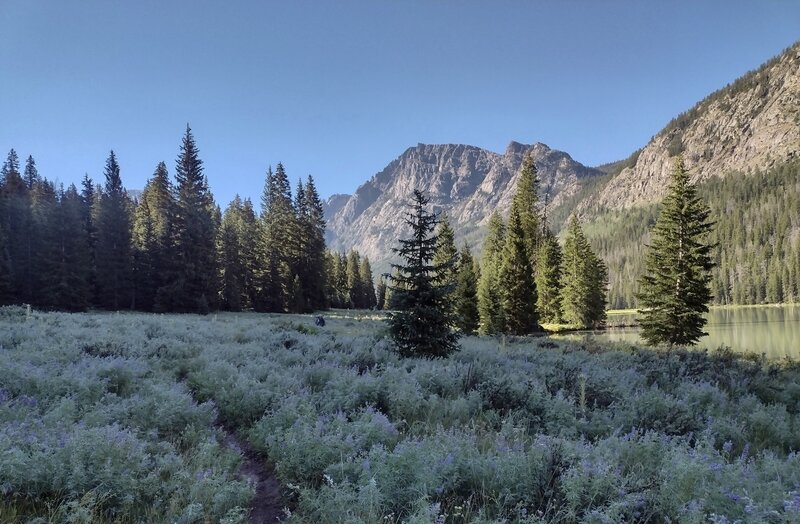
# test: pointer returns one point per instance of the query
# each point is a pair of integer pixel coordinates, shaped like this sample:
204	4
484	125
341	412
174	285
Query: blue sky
339	89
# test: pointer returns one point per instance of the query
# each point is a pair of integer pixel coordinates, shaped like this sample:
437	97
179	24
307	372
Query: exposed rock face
751	124
467	182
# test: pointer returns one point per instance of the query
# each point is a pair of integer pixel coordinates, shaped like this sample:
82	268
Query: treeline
524	277
172	250
756	232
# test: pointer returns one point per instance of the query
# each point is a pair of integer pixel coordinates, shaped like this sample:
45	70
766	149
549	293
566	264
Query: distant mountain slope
753	123
466	181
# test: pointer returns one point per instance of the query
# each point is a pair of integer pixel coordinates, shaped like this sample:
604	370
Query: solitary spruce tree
675	290
422	326
517	288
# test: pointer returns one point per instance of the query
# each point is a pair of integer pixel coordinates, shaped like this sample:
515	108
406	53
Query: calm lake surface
772	330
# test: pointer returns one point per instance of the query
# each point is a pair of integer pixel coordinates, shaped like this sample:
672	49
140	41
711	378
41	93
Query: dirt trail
267	504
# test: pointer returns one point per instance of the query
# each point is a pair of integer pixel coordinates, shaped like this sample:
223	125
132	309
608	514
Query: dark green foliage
368	300
153	243
675	290
489	297
422	326
278	220
195	285
238	237
517	288
466	293
355	287
585	281
310	263
380	292
526	199
113	251
64	262
445	252
548	279
19	231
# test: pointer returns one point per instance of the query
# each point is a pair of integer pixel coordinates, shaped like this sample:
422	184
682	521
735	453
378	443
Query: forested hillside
757	233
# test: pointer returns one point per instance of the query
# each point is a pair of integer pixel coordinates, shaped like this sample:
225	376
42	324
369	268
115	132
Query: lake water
772	330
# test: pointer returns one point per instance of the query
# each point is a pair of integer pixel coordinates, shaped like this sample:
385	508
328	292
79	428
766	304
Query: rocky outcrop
753	123
465	181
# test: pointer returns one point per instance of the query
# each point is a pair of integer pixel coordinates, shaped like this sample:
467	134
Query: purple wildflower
727	446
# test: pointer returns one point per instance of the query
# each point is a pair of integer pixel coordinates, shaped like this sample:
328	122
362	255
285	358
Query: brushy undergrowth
116	417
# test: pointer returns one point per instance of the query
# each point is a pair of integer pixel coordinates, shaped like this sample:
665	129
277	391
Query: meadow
128	418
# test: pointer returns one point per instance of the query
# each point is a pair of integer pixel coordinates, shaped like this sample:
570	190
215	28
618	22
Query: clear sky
338	89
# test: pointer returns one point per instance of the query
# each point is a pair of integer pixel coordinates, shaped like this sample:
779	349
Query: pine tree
311	256
489	296
466	293
21	235
153	242
113	250
380	292
548	279
195	287
517	288
65	262
446	251
355	286
369	299
585	279
675	290
422	326
278	219
89	203
232	261
526	198
31	173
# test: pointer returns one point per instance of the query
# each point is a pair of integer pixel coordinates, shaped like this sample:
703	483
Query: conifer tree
585	279
466	293
380	292
369	299
153	242
233	259
517	288
355	286
526	198
446	251
311	228
19	230
195	286
278	219
113	250
31	173
89	204
675	290
548	279
422	326
489	297
64	264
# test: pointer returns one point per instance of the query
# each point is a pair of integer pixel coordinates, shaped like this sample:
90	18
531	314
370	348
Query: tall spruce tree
153	242
490	304
675	290
232	261
65	259
19	230
195	286
311	256
446	251
367	284
278	219
422	326
525	201
548	279
355	286
113	250
380	292
585	279
517	288
466	293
